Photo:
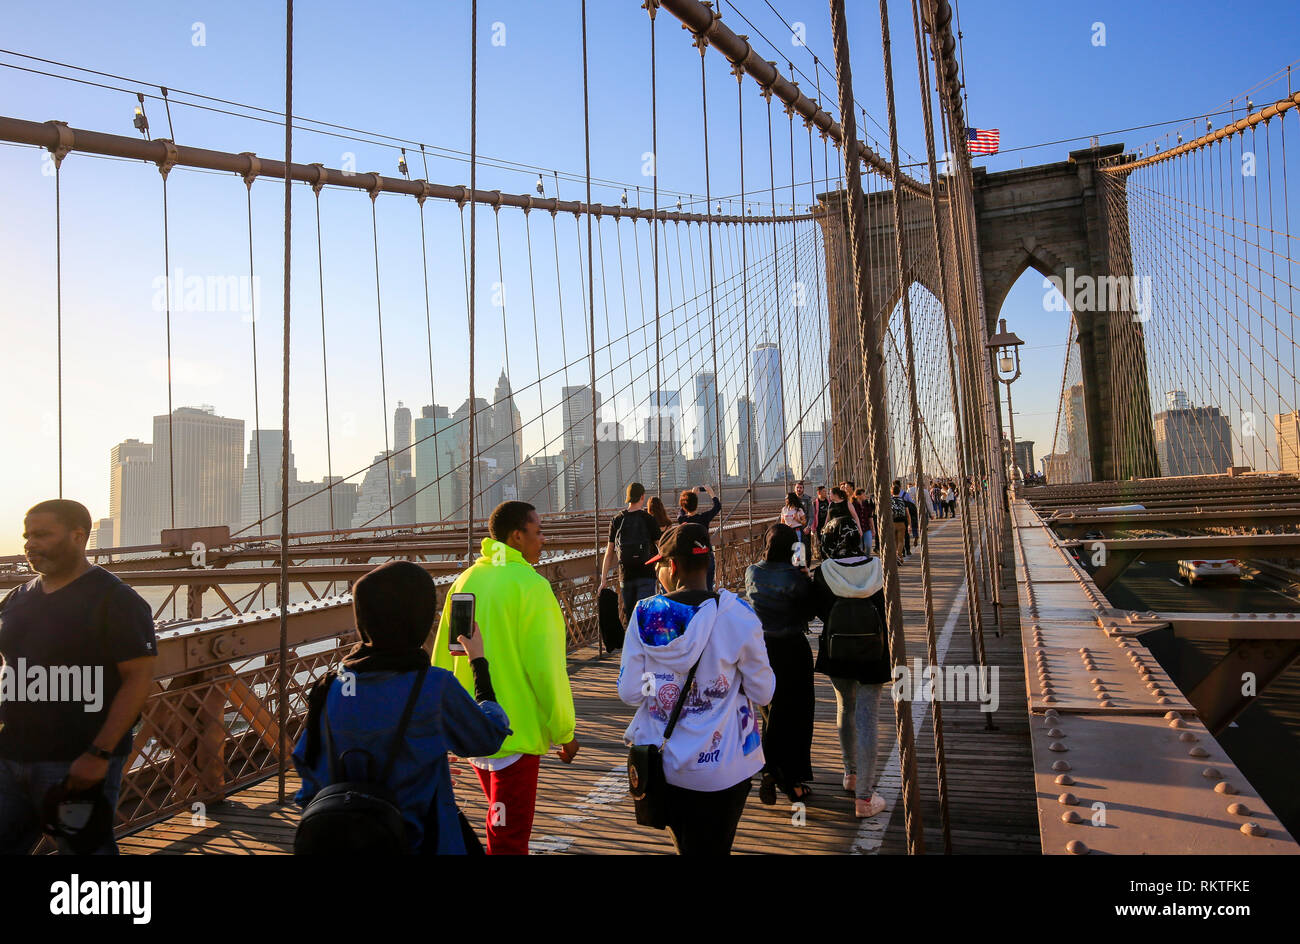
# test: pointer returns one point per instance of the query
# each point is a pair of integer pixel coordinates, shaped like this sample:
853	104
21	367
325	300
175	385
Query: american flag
982	142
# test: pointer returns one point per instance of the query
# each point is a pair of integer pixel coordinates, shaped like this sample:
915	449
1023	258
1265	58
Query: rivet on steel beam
1177	722
1225	787
1049	698
1056	733
1198	751
1238	809
1253	829
1162	700
1057	746
1187	737
1075	847
1107	703
1211	773
1051	713
1070	816
1061	765
1067	799
1065	780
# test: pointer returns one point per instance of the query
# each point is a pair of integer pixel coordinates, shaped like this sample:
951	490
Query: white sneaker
865	809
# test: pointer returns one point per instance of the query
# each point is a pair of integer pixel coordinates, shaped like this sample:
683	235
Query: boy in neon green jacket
524	641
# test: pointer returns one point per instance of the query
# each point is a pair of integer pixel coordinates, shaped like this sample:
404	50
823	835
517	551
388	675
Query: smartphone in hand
461	622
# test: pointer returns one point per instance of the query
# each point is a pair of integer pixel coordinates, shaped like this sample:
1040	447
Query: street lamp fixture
1006	346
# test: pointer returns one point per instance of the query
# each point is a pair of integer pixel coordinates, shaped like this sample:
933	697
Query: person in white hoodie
716	747
849	598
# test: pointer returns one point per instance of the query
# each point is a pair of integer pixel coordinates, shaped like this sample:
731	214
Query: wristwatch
99	752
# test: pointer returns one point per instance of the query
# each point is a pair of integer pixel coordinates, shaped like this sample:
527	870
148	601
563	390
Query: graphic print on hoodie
716	743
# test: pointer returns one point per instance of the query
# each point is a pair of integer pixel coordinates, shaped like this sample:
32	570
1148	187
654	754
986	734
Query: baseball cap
682	540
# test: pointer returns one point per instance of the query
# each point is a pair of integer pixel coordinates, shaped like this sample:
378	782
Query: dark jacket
698	516
446	718
781	595
852	579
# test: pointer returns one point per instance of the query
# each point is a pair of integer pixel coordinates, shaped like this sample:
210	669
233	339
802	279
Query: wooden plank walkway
584	808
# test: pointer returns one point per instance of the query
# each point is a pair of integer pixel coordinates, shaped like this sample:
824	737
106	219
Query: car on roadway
1194	570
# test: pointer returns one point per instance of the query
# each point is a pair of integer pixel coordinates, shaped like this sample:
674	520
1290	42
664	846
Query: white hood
854	576
717	742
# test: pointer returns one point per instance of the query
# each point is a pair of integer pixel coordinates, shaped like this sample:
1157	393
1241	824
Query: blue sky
1032	70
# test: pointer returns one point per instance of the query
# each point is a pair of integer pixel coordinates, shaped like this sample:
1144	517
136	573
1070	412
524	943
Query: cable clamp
254	168
378	188
322	178
66	141
171	158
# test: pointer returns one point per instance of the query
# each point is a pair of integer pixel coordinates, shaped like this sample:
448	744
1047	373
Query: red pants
512	798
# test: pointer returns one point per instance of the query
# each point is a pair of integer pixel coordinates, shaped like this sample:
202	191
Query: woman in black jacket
781	595
848	596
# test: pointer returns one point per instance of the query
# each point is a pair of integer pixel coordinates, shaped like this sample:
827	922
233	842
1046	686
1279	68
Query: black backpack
898	508
634	539
358	817
853	634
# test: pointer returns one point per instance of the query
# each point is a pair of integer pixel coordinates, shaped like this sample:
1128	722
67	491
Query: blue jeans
857	717
638	588
23	785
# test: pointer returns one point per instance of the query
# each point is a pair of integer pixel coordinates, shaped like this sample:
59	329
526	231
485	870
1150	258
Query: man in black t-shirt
632	537
79	649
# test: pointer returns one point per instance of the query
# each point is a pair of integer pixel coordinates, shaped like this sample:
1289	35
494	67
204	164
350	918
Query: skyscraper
745	456
769	412
1025	456
812	456
579	479
264	501
130	493
504	446
701	426
665	417
198	463
375	497
1287	426
437	494
1193	440
402	439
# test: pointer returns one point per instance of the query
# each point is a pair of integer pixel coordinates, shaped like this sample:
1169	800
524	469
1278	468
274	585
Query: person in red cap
706	650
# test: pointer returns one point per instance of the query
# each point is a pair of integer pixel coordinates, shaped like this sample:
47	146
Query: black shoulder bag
645	763
351	817
645	767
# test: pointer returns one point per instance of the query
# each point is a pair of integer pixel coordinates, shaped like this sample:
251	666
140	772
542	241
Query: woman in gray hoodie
848	596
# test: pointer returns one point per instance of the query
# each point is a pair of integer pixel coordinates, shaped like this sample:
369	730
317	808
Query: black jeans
704	823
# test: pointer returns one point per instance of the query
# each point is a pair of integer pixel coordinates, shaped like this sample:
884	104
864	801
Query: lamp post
1005	346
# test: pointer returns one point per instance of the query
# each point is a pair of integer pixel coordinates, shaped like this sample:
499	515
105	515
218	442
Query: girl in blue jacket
395	605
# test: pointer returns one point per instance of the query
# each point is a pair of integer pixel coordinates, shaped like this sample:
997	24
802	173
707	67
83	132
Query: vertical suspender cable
428	331
257	415
873	365
719	554
282	703
652	6
324	358
58	310
591	303
738	69
171	419
383	375
473	216
923	502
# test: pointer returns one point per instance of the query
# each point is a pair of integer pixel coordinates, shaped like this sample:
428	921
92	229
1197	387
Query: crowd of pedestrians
722	685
